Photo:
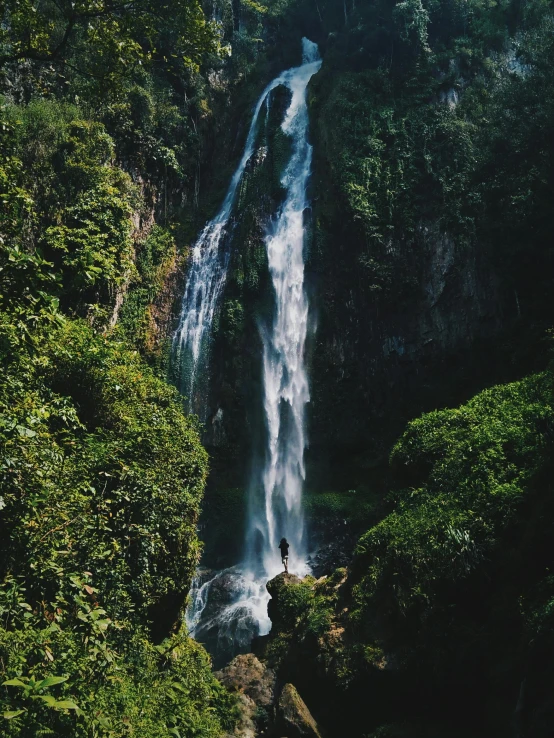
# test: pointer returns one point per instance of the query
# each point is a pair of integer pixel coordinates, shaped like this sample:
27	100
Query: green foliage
294	601
353	508
66	199
424	123
276	8
101	472
155	259
119	685
413	18
302	612
95	237
451	593
114	36
102	476
476	464
384	155
118	440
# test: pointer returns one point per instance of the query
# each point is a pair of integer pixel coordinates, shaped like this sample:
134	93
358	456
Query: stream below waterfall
228	608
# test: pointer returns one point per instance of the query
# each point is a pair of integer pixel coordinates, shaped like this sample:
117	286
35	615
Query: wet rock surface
334	554
225	628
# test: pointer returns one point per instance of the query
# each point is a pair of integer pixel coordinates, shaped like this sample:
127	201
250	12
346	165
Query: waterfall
208	269
277	511
275	505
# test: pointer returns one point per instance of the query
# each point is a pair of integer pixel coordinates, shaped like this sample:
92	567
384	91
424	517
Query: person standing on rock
284	546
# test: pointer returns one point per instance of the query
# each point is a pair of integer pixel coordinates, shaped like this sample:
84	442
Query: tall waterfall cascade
286	392
210	253
275	505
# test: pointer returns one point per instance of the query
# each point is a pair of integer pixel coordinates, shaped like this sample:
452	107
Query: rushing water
277	511
275	506
208	266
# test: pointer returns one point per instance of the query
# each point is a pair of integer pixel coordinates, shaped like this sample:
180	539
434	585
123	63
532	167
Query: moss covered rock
294	717
289	595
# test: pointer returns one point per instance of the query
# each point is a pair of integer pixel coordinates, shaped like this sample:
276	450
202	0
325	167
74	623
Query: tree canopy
117	35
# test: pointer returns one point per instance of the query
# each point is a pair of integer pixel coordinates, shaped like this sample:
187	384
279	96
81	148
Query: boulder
277	589
275	585
247	675
294	719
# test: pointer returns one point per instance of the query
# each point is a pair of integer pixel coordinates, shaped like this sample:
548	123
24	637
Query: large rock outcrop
265	709
248	675
294	718
277	588
255	684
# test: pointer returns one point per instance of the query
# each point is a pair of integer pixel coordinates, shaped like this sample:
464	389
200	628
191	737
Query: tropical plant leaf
10	714
66	705
50	682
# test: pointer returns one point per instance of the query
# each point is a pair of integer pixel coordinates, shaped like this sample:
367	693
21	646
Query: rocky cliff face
415	348
419	315
405	351
426	282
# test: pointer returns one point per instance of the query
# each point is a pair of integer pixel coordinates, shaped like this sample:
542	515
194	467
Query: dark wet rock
335	554
294	719
225	628
222	593
223	639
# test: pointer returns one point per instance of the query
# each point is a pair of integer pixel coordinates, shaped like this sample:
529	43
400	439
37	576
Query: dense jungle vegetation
443	623
432	128
102	472
432	123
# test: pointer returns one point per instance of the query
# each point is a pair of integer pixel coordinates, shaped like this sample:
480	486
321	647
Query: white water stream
275	508
209	262
278	511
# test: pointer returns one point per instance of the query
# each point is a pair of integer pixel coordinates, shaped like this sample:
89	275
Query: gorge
276	268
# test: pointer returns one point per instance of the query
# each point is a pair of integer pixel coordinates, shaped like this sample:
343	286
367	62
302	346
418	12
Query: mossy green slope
101	472
102	478
447	600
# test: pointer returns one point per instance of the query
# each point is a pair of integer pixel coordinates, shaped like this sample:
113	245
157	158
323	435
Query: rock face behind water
225	631
294	718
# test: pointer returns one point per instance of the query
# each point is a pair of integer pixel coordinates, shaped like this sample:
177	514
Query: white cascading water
275	508
278	511
208	267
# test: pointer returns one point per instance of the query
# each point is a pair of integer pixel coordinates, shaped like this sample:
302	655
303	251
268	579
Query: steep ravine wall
416	305
427	320
377	362
374	361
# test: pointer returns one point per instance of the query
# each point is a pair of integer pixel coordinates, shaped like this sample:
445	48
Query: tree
120	33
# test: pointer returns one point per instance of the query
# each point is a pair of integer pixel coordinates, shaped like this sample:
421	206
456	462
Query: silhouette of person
284	546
